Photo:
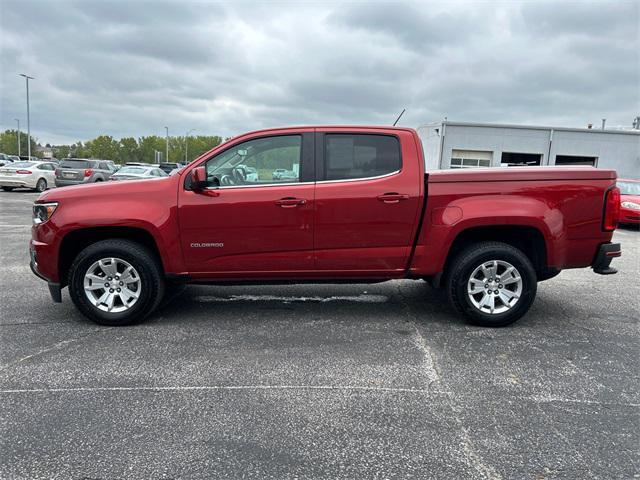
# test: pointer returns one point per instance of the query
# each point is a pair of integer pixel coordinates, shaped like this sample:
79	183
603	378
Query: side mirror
198	179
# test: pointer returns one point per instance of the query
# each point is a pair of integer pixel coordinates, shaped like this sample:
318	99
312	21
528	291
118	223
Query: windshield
21	164
134	170
629	188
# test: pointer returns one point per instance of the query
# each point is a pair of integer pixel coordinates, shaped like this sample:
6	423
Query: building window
576	160
510	159
470	159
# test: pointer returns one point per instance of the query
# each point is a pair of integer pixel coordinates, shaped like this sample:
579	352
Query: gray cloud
129	68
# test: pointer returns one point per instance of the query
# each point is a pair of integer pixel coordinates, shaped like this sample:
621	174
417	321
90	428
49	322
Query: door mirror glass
198	179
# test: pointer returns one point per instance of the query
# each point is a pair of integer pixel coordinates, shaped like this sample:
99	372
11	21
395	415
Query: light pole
186	145
167	129
18	120
27	78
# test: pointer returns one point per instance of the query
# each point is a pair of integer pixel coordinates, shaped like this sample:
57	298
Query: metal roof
530	127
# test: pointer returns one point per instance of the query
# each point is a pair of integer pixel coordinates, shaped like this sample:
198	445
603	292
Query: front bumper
606	253
629	217
55	290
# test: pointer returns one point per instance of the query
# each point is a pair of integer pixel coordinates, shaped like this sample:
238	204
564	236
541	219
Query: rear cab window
359	156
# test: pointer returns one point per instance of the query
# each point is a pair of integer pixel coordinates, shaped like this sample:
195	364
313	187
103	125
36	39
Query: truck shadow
406	301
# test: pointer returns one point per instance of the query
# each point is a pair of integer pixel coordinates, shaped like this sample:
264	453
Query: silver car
75	171
132	172
6	159
36	175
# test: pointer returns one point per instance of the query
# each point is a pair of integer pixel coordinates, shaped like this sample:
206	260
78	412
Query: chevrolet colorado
355	205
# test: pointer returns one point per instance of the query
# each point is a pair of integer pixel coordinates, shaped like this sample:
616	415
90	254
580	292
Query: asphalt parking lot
320	381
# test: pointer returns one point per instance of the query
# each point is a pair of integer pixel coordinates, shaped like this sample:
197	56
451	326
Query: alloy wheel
112	285
494	287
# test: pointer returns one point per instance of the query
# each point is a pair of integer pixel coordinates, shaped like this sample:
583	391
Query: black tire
8	189
144	261
41	185
472	257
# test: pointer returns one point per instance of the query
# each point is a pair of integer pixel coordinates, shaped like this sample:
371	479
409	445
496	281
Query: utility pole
27	78
186	145
18	120
167	159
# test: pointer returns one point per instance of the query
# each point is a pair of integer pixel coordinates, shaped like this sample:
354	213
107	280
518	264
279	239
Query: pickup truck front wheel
115	282
493	284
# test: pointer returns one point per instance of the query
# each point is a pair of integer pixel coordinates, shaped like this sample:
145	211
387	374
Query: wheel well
527	239
74	242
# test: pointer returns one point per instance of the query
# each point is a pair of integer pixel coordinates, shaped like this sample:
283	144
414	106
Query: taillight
611	210
88	172
24	172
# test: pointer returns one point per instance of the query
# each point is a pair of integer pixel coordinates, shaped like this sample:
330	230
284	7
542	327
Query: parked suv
74	171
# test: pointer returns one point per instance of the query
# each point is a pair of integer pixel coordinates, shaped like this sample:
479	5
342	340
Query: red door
259	222
367	202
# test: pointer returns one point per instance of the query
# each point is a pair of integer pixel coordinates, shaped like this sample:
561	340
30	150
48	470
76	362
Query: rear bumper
61	182
606	253
14	182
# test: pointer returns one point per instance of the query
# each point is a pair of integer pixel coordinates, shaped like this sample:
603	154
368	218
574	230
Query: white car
131	172
37	175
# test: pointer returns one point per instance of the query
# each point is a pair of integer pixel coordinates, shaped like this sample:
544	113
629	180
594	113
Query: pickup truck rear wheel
493	284
116	282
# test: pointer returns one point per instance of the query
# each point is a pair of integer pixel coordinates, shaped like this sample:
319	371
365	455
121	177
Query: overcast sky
130	68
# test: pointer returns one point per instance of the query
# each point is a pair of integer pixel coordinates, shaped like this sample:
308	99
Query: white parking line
219	387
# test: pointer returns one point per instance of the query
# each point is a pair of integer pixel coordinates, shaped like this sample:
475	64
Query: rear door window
75	164
353	156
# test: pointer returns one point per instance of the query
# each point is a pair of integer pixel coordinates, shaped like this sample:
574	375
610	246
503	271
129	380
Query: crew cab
356	206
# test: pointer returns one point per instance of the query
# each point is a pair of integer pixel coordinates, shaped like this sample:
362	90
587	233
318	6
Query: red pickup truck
325	204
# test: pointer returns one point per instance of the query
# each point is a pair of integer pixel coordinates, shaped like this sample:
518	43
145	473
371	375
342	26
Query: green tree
78	150
129	150
149	145
201	144
61	151
104	147
9	143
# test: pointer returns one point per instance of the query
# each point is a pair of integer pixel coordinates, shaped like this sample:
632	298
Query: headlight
631	205
43	211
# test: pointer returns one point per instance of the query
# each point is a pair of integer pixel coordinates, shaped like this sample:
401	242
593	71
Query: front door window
263	161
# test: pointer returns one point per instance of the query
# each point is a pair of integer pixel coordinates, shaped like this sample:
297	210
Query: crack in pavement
472	457
56	346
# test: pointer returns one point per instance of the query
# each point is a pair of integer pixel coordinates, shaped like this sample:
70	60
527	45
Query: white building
466	145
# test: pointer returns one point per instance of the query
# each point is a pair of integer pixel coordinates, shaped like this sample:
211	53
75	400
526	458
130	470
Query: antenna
401	113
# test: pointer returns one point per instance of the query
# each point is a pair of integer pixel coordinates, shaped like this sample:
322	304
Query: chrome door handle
289	202
392	197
